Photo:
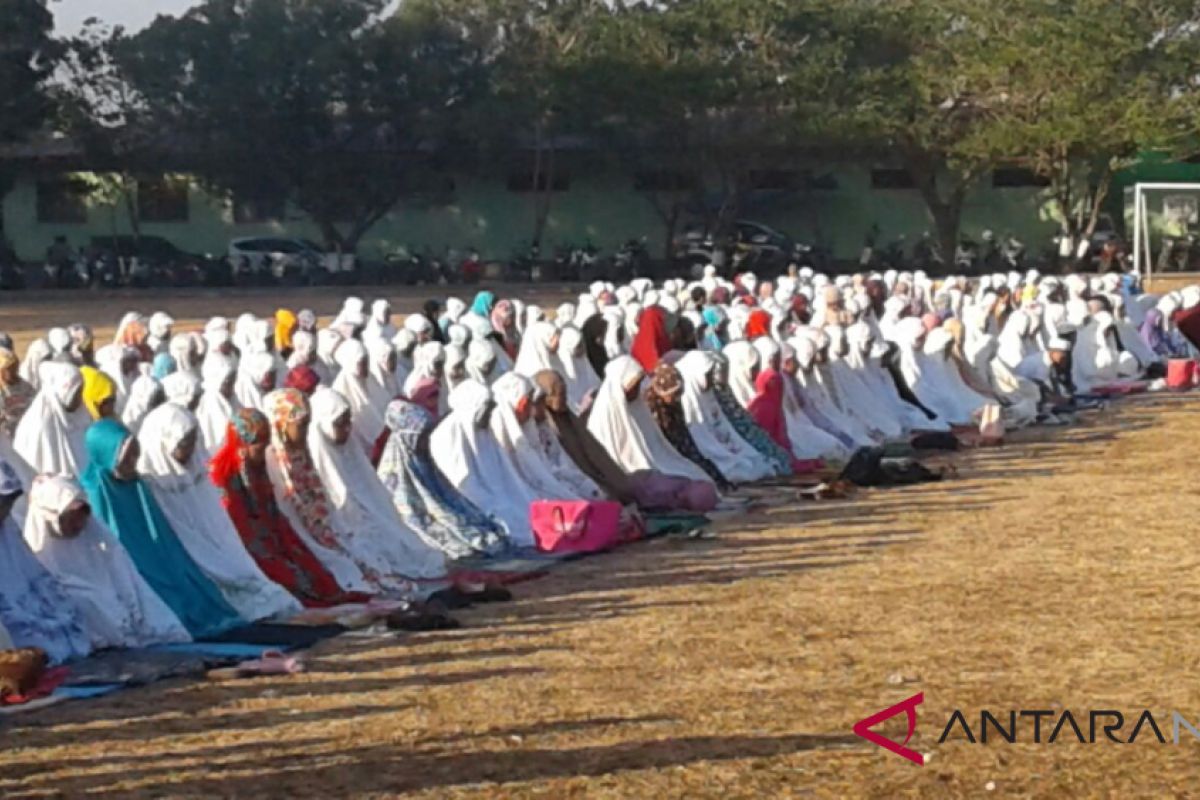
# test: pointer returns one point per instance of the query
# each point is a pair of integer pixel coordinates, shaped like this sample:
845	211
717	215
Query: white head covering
379	326
520	441
469	456
117	607
743	359
144	395
215	410
181	389
577	371
429	362
252	373
626	429
49	438
536	353
481	362
304	350
361	509
711	431
366	417
38	351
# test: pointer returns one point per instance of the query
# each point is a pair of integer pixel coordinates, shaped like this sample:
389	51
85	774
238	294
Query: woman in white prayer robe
429	363
622	423
475	463
117	607
352	384
256	378
481	362
178	479
513	427
539	347
577	371
715	438
217	400
359	502
50	436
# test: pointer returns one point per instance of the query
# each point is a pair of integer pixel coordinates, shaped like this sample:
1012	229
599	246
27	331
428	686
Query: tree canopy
347	107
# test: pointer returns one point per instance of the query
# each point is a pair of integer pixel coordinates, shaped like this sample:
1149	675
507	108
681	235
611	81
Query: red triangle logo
909	707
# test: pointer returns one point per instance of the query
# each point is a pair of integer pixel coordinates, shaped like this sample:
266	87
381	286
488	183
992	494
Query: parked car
277	258
753	246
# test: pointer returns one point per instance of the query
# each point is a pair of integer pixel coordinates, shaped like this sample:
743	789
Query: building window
523	182
163	200
891	179
259	209
780	180
61	201
664	180
1017	178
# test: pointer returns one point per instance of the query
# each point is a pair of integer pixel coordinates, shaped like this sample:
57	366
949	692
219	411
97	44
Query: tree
27	58
694	89
1082	89
326	103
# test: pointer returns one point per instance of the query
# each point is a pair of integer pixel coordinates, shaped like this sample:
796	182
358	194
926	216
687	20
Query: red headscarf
758	325
767	407
652	339
304	379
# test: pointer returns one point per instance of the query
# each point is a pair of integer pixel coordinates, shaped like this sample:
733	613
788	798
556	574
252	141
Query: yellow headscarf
285	326
97	387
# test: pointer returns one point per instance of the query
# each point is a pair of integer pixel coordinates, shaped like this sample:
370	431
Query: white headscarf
187	357
328	341
110	359
470	457
627	430
743	359
252	372
145	393
304	350
380	326
1096	359
192	506
361	506
520	440
37	352
481	362
160	332
429	363
49	438
714	436
577	371
353	387
118	608
215	410
181	389
536	353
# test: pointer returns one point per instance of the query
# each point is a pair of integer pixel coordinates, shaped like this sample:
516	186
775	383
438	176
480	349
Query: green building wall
600	205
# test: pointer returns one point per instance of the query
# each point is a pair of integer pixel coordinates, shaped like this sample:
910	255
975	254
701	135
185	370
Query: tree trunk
945	212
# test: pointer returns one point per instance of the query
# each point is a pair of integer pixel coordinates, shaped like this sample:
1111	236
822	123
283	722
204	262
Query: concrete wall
600	205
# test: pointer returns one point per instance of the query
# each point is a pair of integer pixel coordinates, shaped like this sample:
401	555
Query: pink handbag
575	526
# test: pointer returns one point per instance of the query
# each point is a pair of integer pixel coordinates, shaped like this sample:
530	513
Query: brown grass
1059	571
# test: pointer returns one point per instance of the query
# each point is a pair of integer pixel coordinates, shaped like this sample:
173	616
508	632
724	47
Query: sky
69	15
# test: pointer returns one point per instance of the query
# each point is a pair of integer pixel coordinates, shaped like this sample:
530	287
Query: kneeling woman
179	482
426	500
239	472
623	425
126	505
116	605
360	508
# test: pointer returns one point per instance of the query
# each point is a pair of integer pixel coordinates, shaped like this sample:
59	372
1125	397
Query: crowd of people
169	485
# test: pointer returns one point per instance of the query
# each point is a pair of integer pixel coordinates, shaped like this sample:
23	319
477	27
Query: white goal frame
1143	259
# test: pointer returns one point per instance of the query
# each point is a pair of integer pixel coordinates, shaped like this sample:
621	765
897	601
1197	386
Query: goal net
1166	227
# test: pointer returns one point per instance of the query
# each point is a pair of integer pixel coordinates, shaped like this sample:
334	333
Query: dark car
149	248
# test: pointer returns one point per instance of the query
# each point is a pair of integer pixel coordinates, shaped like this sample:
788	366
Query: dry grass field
1057	572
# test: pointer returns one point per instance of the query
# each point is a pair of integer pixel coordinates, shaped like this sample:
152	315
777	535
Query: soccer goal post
1161	211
